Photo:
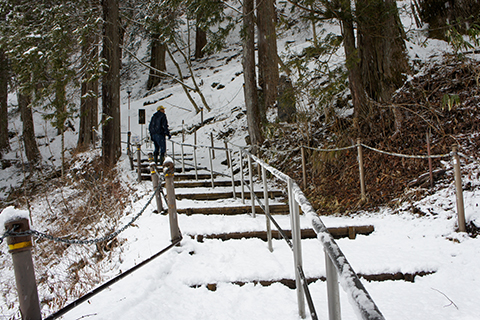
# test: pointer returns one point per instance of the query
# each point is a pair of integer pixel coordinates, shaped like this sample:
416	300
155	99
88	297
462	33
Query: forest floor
443	101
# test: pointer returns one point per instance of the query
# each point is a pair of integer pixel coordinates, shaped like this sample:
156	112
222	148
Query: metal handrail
351	283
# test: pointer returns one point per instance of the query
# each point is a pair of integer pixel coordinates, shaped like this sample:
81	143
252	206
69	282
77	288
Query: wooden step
226	195
204	184
337	233
242	209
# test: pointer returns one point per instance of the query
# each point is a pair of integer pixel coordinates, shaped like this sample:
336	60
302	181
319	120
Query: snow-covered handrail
360	298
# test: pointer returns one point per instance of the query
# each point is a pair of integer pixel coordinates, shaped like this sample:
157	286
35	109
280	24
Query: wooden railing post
21	249
129	149
155	182
459	192
139	164
169	169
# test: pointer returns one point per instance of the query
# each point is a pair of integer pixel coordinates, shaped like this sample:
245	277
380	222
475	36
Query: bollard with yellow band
20	248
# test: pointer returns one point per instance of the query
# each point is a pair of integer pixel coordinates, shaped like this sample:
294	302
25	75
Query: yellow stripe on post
19	245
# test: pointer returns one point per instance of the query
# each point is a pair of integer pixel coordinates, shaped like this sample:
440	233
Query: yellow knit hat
160	107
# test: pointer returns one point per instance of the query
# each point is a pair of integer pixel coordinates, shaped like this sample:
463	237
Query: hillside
91	201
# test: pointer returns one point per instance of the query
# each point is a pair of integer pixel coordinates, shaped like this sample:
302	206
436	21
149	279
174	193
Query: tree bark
383	55
200	42
89	101
267	54
353	65
111	147
4	143
250	89
157	61
439	14
31	148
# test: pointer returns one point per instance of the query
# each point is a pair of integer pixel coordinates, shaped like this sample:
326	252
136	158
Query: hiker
158	130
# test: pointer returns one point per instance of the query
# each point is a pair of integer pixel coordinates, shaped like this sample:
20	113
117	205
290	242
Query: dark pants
160	147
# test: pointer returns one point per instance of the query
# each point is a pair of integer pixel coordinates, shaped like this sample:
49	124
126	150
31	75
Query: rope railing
361	299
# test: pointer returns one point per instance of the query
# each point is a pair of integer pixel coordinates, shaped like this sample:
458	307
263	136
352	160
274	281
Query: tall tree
268	75
381	42
441	15
111	144
200	41
28	133
4	143
157	60
357	89
90	64
249	74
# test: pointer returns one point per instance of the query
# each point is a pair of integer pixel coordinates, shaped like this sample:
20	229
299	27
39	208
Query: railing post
332	290
155	182
459	193
304	169
20	248
211	166
229	152
360	168
252	192
267	209
183	158
226	153
297	246
129	149
173	151
169	169
139	164
213	146
242	180
195	155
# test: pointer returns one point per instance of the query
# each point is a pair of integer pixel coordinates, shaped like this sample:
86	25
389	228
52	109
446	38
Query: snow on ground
174	286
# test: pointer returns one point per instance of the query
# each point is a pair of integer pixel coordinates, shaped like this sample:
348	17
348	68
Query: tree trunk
4	143
89	102
111	147
267	54
250	90
353	65
157	61
31	148
440	13
200	42
383	55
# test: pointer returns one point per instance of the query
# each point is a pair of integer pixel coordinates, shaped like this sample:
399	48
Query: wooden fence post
129	149
139	164
360	168
459	193
21	249
155	182
171	202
